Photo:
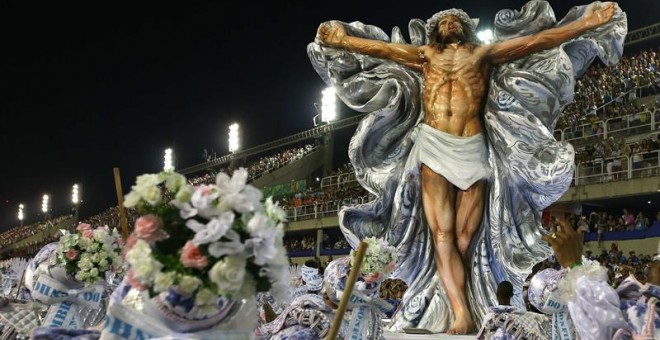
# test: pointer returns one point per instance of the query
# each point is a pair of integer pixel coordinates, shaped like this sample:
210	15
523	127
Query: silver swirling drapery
531	169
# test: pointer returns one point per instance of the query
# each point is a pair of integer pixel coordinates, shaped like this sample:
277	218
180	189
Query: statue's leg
439	201
469	212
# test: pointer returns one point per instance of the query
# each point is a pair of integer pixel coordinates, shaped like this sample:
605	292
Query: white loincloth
461	160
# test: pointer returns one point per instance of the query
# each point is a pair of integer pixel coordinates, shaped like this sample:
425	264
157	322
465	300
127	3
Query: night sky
88	86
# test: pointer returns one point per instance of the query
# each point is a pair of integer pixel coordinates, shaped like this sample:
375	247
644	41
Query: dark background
88	86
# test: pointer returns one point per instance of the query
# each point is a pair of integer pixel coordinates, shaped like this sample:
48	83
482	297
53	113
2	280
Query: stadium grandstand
614	126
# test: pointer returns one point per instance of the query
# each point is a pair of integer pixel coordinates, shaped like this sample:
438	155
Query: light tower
234	141
75	199
168	161
21	213
44	206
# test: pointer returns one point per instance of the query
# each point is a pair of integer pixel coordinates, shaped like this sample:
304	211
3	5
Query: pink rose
148	228
88	233
83	227
72	254
134	282
192	257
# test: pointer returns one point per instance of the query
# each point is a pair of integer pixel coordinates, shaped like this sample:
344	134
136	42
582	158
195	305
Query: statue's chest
450	64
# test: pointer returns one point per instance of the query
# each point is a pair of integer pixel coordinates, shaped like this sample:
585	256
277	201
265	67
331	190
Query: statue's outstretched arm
334	35
517	48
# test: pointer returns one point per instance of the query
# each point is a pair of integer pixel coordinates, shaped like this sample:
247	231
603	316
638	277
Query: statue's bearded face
450	30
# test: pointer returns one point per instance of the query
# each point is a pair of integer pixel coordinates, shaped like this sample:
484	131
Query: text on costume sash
55	293
61	314
123	329
356	330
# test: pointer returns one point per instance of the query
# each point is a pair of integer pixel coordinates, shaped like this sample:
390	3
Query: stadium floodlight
75	194
329	105
485	36
234	142
44	204
21	212
169	164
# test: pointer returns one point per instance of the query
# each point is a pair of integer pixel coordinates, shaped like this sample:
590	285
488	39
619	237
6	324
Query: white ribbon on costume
362	304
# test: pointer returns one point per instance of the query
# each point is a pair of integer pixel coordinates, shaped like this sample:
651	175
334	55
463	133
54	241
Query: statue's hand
597	16
566	243
331	34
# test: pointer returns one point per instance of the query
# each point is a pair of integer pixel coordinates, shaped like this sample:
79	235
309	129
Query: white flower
163	281
232	247
144	266
132	199
204	201
184	194
173	181
232	185
144	271
228	274
262	244
151	195
94	272
146	187
188	284
236	194
213	230
274	211
146	181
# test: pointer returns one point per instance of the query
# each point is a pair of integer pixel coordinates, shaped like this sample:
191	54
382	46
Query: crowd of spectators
303	243
606	221
619	265
260	166
20	233
601	85
334	242
610	158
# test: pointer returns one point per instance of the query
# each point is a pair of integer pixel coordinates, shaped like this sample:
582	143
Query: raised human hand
331	33
597	16
566	243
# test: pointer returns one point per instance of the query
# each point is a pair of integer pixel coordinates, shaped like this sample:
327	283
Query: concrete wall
297	170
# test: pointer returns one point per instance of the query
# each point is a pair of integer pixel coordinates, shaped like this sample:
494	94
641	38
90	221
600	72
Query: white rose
93	272
151	195
174	181
147	180
188	284
228	274
163	281
132	199
146	270
184	194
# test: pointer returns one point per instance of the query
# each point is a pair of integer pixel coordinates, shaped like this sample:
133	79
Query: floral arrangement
89	253
209	241
379	260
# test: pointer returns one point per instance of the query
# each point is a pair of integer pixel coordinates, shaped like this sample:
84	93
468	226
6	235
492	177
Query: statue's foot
462	326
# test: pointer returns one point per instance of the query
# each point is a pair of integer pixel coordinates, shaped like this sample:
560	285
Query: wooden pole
120	201
348	290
